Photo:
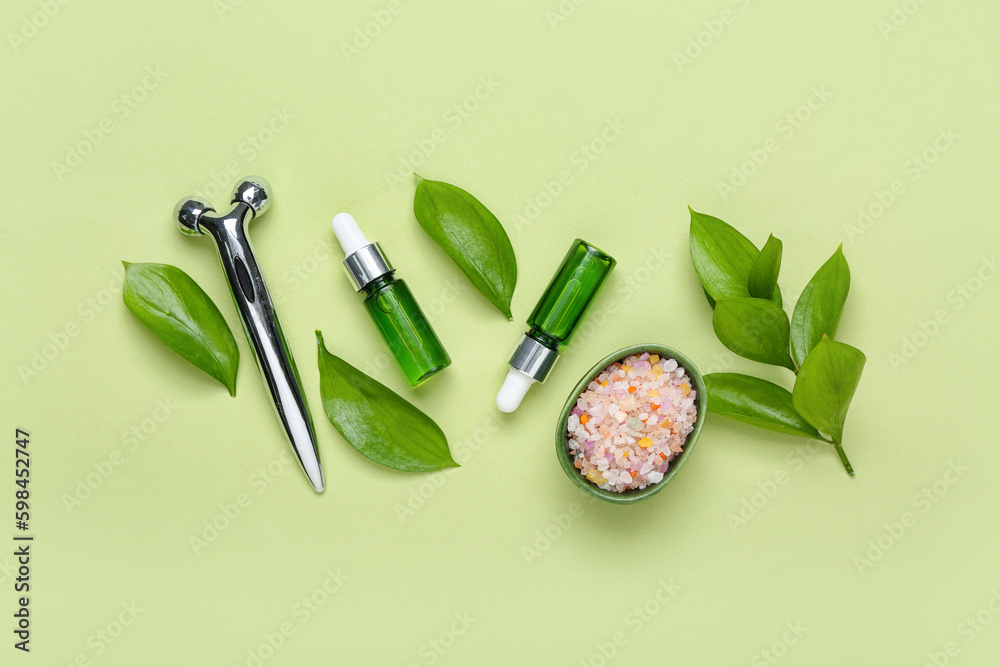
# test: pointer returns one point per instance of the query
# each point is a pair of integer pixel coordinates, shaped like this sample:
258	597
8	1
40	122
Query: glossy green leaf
722	257
826	384
757	402
378	422
472	237
820	305
708	296
756	329
178	311
763	280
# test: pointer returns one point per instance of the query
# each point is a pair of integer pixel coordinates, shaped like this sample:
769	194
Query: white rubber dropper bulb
350	236
514	389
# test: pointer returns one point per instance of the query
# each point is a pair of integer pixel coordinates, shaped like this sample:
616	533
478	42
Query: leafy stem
843	458
741	283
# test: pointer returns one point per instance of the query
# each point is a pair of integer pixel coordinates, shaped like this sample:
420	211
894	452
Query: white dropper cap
351	238
514	389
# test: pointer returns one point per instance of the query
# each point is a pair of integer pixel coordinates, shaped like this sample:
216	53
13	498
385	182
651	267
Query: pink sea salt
640	412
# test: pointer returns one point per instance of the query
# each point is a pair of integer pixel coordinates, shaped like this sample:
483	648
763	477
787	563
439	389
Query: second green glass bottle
565	301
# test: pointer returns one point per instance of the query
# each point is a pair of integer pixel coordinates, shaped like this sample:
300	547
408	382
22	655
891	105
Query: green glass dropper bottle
391	304
554	320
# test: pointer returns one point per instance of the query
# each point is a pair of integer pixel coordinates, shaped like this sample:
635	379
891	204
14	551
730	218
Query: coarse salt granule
631	422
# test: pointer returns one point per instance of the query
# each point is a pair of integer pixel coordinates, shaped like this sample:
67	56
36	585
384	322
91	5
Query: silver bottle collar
534	359
366	265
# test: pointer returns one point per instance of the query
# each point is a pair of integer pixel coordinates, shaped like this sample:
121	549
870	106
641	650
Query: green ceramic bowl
633	495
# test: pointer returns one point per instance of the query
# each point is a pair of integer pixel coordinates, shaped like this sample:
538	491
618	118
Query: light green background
231	76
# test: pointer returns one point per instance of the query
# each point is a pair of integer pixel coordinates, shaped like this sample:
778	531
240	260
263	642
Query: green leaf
763	280
757	402
756	329
378	422
472	236
820	306
826	384
722	257
708	296
178	311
